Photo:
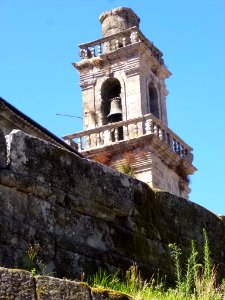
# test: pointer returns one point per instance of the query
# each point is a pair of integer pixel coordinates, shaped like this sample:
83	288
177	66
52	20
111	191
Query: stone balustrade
128	130
118	40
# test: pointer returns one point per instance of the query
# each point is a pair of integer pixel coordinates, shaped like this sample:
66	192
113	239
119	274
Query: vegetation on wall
195	282
126	165
32	263
103	158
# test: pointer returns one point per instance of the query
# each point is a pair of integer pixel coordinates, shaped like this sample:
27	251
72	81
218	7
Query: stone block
16	204
27	155
16	285
49	288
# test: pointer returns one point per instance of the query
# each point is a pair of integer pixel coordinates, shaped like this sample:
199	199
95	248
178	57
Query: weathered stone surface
21	285
16	285
49	288
85	216
61	164
3	150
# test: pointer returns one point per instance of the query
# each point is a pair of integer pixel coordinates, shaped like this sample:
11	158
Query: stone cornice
161	150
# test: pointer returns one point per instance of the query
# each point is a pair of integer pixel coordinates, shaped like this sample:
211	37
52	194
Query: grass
125	168
197	281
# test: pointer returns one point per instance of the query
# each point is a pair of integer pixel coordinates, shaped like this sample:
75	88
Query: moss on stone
40	292
108	294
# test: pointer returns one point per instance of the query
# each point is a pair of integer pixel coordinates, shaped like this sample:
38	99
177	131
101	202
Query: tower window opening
153	100
111	106
111	88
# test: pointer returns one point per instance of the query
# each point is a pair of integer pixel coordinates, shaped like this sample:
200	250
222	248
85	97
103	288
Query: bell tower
122	77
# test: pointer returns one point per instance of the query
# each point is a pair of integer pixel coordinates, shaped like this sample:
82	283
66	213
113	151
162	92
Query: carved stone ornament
134	37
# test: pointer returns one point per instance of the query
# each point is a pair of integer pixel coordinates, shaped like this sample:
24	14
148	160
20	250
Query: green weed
32	263
197	281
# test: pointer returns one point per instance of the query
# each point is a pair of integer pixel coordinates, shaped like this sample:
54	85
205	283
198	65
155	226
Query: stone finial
118	19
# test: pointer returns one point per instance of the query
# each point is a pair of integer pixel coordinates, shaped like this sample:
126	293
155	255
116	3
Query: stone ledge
21	285
53	288
16	284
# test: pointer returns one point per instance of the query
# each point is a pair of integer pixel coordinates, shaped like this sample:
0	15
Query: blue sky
39	41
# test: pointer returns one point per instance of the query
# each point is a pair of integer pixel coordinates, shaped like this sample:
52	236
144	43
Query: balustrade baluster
116	44
99	49
174	145
134	37
106	47
151	124
185	152
178	148
98	139
126	132
124	41
156	129
87	53
79	143
160	133
88	138
163	135
167	141
135	129
67	141
170	141
116	135
92	52
109	136
181	150
102	137
148	126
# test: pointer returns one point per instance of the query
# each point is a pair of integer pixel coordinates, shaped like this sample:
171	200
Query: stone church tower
122	76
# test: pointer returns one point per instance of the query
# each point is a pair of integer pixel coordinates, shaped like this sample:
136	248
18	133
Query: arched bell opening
110	90
111	105
153	100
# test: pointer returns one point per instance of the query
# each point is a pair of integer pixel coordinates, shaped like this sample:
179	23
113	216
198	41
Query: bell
115	114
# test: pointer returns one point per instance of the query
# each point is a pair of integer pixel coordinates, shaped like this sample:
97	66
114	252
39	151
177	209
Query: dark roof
27	121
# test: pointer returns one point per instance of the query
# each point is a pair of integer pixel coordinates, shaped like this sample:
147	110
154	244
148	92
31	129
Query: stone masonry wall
86	216
21	285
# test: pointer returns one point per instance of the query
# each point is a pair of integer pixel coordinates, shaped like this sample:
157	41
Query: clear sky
39	41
